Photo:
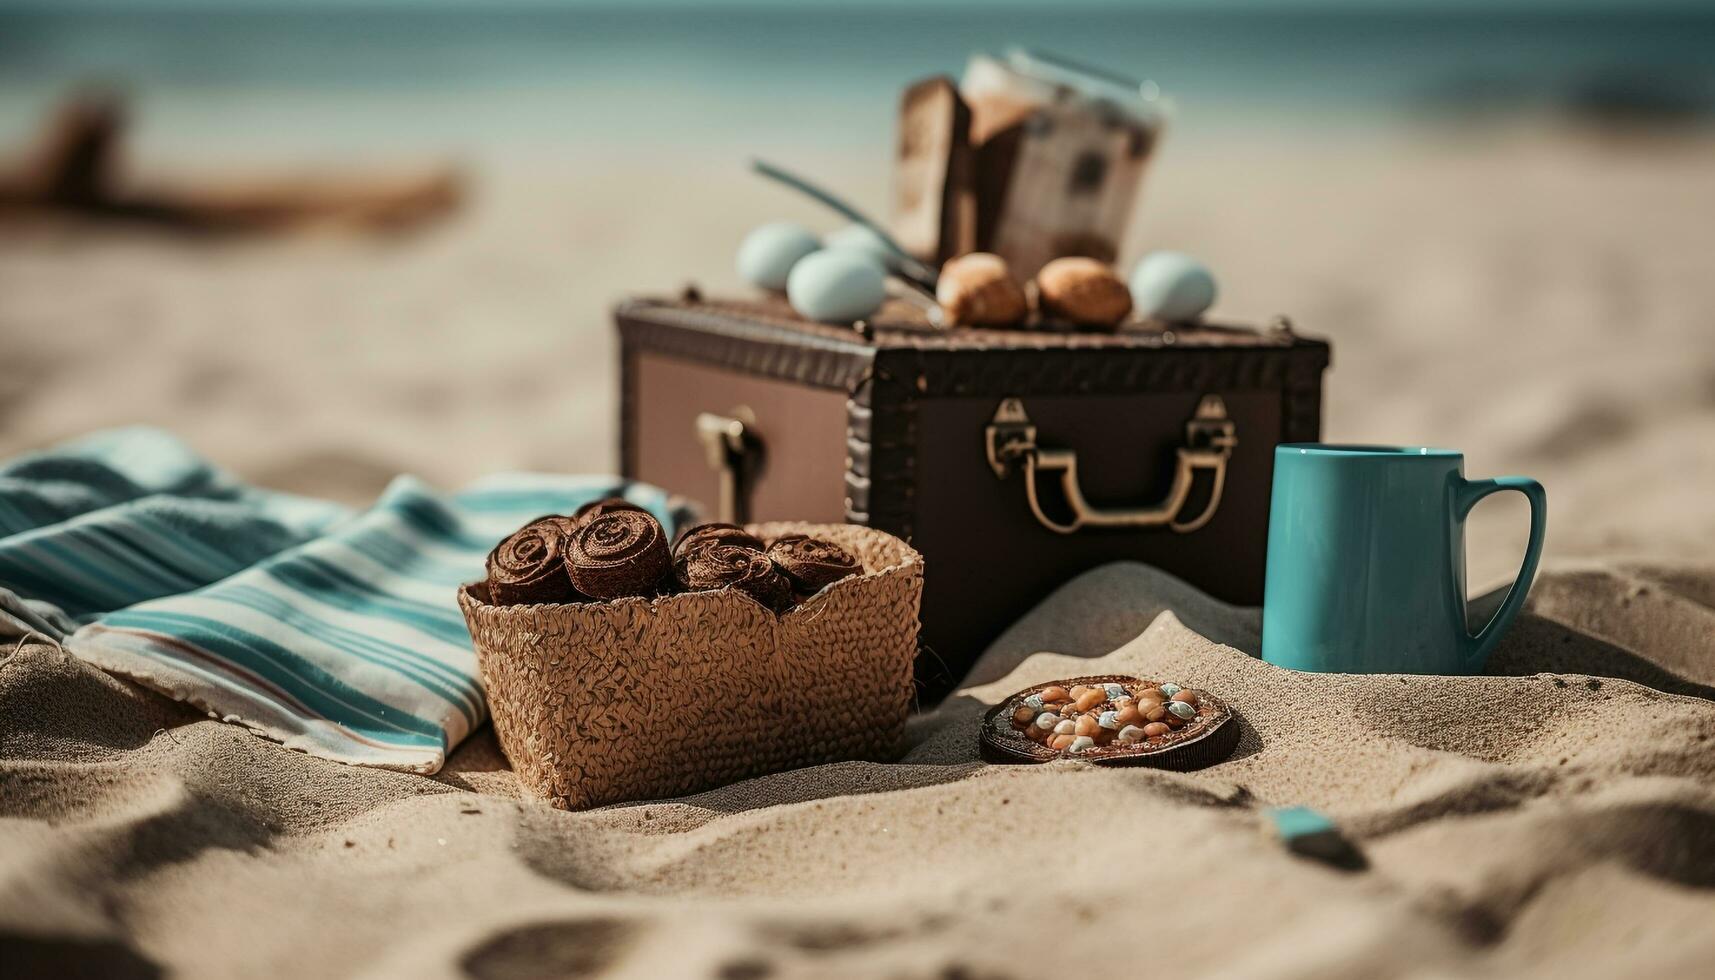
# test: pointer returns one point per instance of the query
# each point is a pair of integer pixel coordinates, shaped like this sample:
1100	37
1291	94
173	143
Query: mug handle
1482	643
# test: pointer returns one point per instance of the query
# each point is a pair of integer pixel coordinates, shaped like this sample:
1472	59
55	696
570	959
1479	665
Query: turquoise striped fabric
128	515
332	631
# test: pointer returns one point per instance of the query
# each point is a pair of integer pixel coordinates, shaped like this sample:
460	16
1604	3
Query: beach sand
1536	822
1539	299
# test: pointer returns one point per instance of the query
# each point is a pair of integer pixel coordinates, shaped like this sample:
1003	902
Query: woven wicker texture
633	699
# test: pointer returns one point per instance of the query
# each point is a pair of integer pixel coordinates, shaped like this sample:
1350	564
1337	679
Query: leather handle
734	452
1209	440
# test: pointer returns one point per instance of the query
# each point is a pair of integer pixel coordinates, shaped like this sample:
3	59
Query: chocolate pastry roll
704	535
717	566
607	505
812	564
528	567
618	553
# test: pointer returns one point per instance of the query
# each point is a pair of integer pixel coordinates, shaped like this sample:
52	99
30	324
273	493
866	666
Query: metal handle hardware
1010	438
734	452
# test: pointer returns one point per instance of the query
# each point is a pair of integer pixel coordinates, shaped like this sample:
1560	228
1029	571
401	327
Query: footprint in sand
572	948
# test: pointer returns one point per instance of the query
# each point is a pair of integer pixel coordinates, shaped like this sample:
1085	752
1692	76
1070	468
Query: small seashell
1109	719
1156	729
836	286
1171	286
1024	715
1055	693
1062	742
1082	291
1034	701
977	290
767	255
1131	733
1066	727
1180	709
1083	743
1168	690
1115	691
1047	720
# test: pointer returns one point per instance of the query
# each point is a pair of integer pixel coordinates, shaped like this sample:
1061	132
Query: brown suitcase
1148	445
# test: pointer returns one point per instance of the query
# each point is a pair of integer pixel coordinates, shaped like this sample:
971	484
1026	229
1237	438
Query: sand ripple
1546	820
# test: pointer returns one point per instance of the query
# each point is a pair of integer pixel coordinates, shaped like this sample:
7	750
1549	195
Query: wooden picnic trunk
1012	460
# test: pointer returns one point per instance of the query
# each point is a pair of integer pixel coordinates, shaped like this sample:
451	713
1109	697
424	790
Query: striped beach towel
333	631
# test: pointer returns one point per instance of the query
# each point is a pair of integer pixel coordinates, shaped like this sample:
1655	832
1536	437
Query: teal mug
1366	561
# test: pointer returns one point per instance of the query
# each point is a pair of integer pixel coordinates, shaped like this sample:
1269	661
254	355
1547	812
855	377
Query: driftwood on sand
76	167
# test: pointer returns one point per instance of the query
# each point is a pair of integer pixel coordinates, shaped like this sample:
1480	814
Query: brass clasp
1210	437
735	453
1010	437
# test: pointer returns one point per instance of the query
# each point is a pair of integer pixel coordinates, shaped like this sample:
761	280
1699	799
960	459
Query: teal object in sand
837	286
1313	834
767	254
1171	286
1366	561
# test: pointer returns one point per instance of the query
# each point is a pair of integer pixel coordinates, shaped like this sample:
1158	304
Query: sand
1539	299
1535	822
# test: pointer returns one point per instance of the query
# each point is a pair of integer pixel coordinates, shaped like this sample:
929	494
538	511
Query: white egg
863	238
836	286
767	255
1171	286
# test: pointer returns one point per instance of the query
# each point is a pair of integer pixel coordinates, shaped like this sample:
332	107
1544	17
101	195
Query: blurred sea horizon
266	78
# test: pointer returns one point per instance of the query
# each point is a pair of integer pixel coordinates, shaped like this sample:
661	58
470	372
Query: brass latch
1010	438
734	452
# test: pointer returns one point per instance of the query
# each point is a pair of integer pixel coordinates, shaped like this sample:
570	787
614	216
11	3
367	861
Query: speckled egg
836	286
1171	286
767	255
862	238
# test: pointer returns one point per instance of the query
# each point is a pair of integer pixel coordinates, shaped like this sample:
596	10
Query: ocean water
462	78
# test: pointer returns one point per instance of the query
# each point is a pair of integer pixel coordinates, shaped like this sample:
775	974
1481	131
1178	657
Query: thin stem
899	263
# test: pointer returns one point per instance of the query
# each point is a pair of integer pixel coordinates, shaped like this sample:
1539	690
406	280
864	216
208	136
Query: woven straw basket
634	699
